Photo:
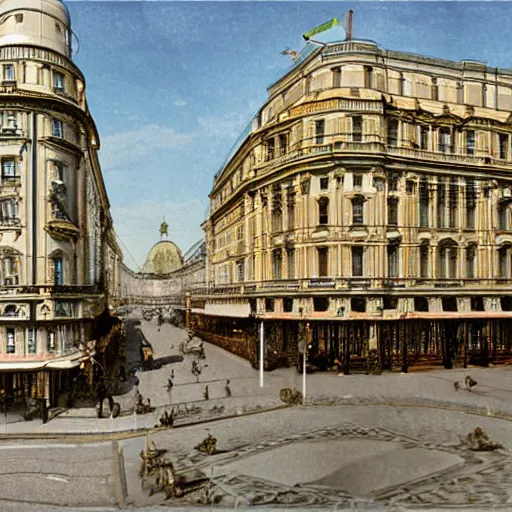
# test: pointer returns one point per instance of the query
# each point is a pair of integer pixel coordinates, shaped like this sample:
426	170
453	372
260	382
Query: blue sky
172	84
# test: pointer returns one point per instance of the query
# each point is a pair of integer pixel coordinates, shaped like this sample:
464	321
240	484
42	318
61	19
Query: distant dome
164	257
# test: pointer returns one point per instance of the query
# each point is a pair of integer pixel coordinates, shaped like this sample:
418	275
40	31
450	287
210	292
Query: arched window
448	253
10	310
323	211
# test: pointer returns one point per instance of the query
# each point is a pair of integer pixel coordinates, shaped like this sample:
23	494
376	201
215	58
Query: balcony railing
354	283
50	290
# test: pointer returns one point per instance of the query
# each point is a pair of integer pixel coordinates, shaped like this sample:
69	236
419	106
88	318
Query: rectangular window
8	169
368	77
358	180
393	183
460	93
470	204
503	146
503	217
58	272
11	341
453	202
424	249
445	140
290	255
58	171
470	261
277	264
283	143
323	262
270	149
435	89
319	131
357	128
57	128
336	77
8	210
324	183
393	260
357	261
50	341
357	211
58	81
424	137
470	142
18	18
8	72
392	132
31	342
424	203
392	212
240	271
441	203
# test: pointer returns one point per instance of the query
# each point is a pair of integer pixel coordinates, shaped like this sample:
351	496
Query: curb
129	433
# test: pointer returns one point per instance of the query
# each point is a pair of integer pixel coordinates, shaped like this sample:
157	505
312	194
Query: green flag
321	28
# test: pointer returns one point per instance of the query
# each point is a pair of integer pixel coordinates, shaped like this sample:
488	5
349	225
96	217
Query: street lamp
262	362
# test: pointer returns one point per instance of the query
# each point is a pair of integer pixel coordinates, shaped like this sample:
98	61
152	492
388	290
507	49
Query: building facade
57	248
368	210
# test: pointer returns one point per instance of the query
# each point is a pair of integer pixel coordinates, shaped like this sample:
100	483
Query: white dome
44	23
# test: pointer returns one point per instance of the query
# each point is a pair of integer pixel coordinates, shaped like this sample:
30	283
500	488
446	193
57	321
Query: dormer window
57	130
58	81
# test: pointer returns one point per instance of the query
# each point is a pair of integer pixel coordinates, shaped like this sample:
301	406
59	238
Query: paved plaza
365	442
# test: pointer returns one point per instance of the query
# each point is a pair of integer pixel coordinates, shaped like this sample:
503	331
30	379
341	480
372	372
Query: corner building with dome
367	209
58	254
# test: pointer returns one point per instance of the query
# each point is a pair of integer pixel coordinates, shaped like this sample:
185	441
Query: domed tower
54	211
164	257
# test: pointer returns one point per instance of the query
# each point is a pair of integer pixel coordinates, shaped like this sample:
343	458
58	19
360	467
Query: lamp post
262	362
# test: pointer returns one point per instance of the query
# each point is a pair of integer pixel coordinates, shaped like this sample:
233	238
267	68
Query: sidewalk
492	395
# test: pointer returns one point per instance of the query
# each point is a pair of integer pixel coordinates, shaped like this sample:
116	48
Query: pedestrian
206	393
227	389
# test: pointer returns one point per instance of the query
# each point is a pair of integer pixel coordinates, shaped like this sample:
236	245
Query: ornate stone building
368	207
57	248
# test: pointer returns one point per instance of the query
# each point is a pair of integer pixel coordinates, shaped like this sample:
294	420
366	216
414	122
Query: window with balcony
503	216
11	340
319	131
323	211
424	260
336	77
393	256
424	131
392	132
57	128
58	271
357	261
357	210
323	253
8	73
31	340
368	77
503	143
277	264
59	81
470	142
9	171
470	261
392	211
423	203
445	140
357	128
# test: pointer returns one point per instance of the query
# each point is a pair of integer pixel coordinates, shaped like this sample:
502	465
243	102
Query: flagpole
349	28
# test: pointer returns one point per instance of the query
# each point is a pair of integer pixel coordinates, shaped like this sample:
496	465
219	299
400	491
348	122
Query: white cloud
179	103
137	225
122	148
